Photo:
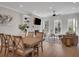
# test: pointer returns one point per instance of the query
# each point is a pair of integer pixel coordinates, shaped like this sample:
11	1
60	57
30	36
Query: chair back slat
9	39
18	42
1	41
39	35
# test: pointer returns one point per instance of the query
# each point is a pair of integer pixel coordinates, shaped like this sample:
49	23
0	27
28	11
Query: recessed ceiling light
20	5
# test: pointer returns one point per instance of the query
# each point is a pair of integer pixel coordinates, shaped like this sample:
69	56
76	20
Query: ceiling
43	9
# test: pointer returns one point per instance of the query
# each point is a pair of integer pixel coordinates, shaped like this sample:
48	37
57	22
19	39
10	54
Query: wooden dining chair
2	39
9	47
20	50
40	36
30	35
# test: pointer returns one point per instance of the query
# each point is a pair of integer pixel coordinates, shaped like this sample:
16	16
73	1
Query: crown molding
13	9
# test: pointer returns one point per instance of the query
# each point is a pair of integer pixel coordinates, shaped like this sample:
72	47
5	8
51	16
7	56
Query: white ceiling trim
22	12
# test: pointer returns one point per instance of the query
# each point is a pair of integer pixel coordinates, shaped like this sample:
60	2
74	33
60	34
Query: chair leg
36	48
1	45
37	51
4	51
1	48
42	46
33	54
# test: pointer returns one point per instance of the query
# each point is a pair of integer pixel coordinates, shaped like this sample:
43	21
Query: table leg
36	48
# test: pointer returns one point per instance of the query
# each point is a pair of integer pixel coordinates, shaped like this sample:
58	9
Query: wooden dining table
33	42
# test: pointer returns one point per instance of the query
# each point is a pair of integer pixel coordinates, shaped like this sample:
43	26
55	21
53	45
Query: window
57	26
72	25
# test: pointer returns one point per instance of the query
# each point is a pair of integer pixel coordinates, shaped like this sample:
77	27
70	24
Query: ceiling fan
54	13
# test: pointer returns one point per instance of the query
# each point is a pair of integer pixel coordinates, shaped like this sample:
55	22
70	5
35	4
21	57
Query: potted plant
23	27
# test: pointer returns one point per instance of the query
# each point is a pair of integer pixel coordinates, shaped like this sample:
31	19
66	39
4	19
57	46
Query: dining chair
9	47
2	40
40	36
30	34
20	50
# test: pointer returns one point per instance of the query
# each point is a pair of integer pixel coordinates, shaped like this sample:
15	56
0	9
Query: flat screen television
37	21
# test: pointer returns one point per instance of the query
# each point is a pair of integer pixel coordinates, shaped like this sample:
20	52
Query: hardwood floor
56	49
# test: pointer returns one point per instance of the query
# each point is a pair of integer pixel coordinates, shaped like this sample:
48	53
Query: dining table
32	42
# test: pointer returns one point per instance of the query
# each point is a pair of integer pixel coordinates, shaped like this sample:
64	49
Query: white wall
12	27
18	18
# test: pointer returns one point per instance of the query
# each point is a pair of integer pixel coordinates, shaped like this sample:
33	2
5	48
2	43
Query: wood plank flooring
56	49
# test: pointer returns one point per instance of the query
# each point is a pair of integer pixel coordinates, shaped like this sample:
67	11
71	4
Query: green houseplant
23	27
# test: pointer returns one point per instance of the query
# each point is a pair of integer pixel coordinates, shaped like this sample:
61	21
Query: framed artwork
5	19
